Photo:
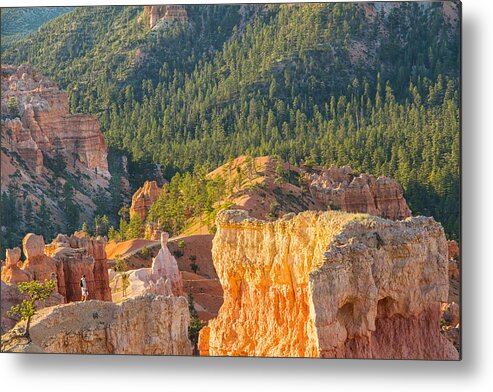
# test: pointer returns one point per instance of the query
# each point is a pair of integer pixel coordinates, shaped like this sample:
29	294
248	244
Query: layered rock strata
144	198
44	126
341	189
43	145
146	325
329	284
78	255
158	14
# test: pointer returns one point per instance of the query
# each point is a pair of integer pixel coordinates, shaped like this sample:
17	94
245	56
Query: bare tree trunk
28	325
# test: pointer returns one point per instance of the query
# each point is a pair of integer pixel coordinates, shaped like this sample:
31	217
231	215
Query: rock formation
43	144
78	255
329	284
144	198
37	265
158	14
147	325
164	266
163	278
44	125
10	296
453	255
40	266
11	273
341	189
453	250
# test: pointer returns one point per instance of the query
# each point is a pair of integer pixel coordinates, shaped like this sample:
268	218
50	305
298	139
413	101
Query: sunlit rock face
159	14
143	198
78	255
43	144
341	189
329	284
146	325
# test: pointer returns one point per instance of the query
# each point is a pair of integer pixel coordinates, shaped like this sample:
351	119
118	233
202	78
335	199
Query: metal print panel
268	180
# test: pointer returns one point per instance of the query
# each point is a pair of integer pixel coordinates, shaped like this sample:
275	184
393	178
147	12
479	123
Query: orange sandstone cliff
143	198
329	284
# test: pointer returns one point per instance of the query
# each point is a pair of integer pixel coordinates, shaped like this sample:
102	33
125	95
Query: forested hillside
18	22
375	87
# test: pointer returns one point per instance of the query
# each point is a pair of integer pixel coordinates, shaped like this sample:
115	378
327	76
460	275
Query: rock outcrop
329	284
78	255
40	266
10	296
454	263
341	189
163	278
43	144
37	266
164	266
44	124
147	325
11	273
144	198
156	15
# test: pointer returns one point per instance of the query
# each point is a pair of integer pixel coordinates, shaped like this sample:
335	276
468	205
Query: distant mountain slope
370	85
18	22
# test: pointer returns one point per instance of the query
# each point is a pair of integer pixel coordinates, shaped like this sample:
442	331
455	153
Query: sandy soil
127	248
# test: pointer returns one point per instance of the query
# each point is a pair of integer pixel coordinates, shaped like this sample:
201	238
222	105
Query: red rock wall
341	189
77	255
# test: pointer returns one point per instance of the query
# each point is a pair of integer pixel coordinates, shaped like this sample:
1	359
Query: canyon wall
146	325
65	260
329	284
342	189
42	125
44	145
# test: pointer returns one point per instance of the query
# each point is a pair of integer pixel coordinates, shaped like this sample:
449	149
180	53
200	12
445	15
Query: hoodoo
329	284
143	198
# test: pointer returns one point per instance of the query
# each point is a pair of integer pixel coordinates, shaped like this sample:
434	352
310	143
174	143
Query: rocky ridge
146	325
342	189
